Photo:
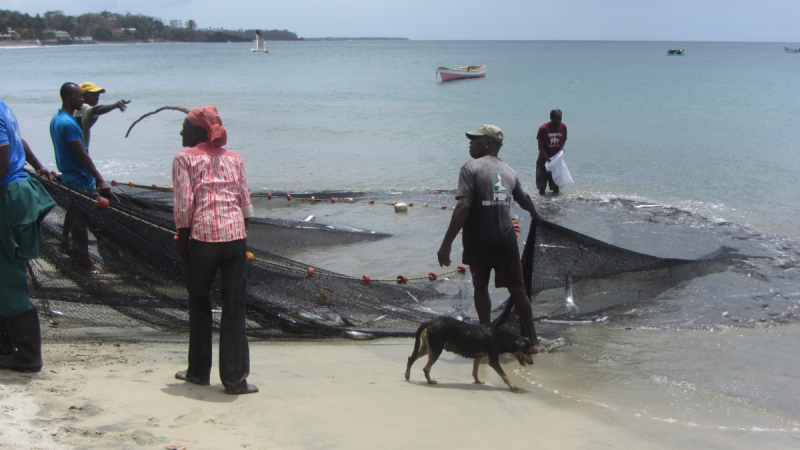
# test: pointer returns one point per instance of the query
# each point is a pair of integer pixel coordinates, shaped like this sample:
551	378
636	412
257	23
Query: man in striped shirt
212	210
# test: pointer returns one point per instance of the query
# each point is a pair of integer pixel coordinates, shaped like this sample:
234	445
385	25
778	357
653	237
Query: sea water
708	135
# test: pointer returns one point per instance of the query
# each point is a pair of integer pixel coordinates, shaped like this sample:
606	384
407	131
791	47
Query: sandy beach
112	389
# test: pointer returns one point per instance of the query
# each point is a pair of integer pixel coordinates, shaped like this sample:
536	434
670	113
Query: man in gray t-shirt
486	186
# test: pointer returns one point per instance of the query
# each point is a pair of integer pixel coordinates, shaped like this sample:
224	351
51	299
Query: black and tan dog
469	341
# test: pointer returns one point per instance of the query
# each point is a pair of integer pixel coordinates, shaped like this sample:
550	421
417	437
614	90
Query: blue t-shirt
9	135
64	129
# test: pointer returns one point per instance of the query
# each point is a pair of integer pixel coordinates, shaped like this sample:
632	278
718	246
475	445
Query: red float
113	182
410	204
102	202
461	269
309	272
269	195
372	201
288	197
333	200
365	279
402	279
432	276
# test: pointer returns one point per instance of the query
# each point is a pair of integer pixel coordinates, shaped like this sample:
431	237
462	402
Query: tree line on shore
113	27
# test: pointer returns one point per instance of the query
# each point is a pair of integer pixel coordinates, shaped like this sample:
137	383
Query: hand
537	216
44	173
121	105
104	189
444	255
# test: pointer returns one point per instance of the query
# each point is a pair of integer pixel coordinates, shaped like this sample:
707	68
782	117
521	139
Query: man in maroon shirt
551	137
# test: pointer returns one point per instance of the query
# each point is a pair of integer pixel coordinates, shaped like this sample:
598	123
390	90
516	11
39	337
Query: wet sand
112	389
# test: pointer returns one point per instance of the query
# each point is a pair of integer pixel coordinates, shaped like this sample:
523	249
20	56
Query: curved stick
173	108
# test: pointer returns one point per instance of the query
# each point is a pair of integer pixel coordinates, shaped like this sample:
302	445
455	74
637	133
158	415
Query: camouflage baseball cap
487	130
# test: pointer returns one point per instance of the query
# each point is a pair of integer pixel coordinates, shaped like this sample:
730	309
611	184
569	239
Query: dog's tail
414	353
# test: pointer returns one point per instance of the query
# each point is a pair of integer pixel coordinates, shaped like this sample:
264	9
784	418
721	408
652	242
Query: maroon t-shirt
553	139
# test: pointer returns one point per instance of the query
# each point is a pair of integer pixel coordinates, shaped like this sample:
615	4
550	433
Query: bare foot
246	389
536	349
182	376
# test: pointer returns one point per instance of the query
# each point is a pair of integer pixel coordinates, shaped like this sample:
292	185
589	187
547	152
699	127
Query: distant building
63	36
83	38
9	35
176	23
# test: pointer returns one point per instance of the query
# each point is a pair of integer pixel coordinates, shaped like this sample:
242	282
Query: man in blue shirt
77	169
23	204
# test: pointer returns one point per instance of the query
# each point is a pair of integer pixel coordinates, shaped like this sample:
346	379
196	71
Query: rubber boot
6	345
27	337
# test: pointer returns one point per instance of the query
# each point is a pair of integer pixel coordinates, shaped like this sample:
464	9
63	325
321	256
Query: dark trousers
234	352
543	178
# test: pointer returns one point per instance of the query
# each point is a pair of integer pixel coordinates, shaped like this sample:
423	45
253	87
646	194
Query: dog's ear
523	345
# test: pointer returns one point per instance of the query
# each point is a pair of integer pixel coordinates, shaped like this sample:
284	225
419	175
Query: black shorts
505	276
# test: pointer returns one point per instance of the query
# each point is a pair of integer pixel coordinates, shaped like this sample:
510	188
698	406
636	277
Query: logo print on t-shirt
499	186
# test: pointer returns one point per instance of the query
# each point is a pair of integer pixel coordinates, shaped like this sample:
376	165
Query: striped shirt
211	194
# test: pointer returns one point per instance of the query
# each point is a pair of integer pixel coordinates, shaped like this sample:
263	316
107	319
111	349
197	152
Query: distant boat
452	73
791	50
259	44
671	52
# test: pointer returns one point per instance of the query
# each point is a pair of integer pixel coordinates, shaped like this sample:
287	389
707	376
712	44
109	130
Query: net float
171	188
309	272
250	257
130	183
424	205
461	268
372	201
333	200
365	279
402	279
154	186
113	182
410	204
175	238
288	197
432	276
444	206
269	195
394	203
400	207
350	200
102	202
313	199
53	173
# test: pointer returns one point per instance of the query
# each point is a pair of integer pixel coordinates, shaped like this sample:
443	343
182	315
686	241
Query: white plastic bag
558	168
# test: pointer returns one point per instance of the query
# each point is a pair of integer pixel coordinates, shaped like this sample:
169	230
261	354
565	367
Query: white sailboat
259	44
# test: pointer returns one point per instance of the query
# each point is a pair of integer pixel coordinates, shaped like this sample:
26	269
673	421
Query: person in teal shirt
23	204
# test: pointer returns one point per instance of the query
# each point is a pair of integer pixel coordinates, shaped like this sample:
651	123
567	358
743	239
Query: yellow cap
91	87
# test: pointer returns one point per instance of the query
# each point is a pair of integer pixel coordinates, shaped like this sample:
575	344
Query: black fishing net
568	274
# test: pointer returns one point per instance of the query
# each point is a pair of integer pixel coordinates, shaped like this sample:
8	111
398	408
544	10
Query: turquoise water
711	133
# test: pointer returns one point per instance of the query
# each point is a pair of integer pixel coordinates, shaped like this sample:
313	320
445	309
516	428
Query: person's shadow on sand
214	393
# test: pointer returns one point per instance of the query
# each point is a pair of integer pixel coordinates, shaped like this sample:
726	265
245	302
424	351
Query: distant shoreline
36	43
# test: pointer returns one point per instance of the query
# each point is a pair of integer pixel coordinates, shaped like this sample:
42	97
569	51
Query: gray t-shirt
88	118
489	237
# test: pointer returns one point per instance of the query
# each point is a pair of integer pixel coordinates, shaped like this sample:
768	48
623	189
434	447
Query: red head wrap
208	118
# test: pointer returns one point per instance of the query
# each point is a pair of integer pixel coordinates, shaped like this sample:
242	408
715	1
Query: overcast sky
655	20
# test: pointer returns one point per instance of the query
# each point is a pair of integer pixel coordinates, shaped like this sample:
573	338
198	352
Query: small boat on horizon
671	52
453	73
791	50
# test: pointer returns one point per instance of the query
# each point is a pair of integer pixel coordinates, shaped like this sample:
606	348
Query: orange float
309	272
250	257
